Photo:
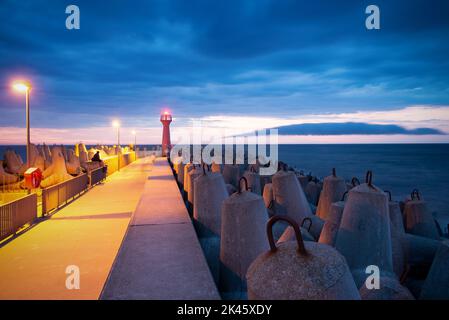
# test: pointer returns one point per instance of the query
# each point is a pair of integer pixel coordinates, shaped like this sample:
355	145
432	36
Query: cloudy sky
234	65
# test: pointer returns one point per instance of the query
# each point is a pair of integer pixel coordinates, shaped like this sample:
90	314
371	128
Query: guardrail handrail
53	197
16	214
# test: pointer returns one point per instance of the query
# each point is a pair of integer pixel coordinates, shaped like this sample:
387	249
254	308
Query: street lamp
116	124
135	138
25	86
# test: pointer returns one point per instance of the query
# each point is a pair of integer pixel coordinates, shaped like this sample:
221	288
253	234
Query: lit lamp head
21	86
166	116
116	124
134	132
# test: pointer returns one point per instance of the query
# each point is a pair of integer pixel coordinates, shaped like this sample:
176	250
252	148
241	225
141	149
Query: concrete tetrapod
230	188
333	189
289	235
267	194
272	206
418	220
57	172
80	151
216	167
436	286
397	236
330	229
288	194
175	161
299	271
313	191
314	225
36	160
311	227
14	163
253	179
180	174
210	192
73	164
7	178
243	221
364	236
303	179
189	166
390	289
419	251
231	174
191	176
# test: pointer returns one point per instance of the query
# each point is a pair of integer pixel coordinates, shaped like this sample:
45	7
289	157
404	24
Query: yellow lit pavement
86	233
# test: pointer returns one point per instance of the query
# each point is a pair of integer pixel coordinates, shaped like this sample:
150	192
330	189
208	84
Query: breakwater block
436	286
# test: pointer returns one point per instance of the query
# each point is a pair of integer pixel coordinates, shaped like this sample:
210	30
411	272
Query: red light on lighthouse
166	119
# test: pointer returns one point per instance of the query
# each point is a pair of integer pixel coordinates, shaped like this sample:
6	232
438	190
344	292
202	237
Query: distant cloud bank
352	128
414	124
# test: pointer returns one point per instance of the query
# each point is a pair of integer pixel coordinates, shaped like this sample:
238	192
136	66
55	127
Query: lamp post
135	138
24	86
116	124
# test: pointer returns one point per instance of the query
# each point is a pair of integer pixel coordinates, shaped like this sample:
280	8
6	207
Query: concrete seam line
157	224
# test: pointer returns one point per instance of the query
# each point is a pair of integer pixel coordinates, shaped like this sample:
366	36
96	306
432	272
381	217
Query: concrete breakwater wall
122	160
369	232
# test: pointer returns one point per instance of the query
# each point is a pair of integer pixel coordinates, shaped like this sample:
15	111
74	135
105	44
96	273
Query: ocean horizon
399	168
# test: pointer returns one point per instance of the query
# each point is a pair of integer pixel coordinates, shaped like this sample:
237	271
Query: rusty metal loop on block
369	178
299	240
415	195
389	195
310	223
205	166
334	172
355	181
240	184
271	205
344	196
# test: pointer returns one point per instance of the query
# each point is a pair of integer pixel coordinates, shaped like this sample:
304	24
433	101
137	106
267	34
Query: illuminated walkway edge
160	257
87	233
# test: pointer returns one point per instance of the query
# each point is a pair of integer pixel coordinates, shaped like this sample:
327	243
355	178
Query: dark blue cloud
351	128
259	57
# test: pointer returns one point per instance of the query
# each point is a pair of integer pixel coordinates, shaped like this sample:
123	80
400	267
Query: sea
399	168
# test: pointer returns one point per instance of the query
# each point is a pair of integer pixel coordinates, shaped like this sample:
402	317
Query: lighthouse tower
166	119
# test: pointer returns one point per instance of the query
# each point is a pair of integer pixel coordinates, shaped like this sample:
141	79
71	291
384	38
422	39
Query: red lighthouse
166	119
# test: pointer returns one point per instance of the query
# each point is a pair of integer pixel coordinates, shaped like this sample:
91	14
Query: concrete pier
161	257
131	237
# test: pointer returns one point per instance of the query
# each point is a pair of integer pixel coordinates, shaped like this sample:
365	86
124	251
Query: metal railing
97	175
55	196
16	214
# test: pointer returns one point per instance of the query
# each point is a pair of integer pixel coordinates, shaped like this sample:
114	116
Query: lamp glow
116	124
21	86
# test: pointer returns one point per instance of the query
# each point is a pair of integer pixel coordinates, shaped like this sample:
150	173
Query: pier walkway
161	257
86	233
131	238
